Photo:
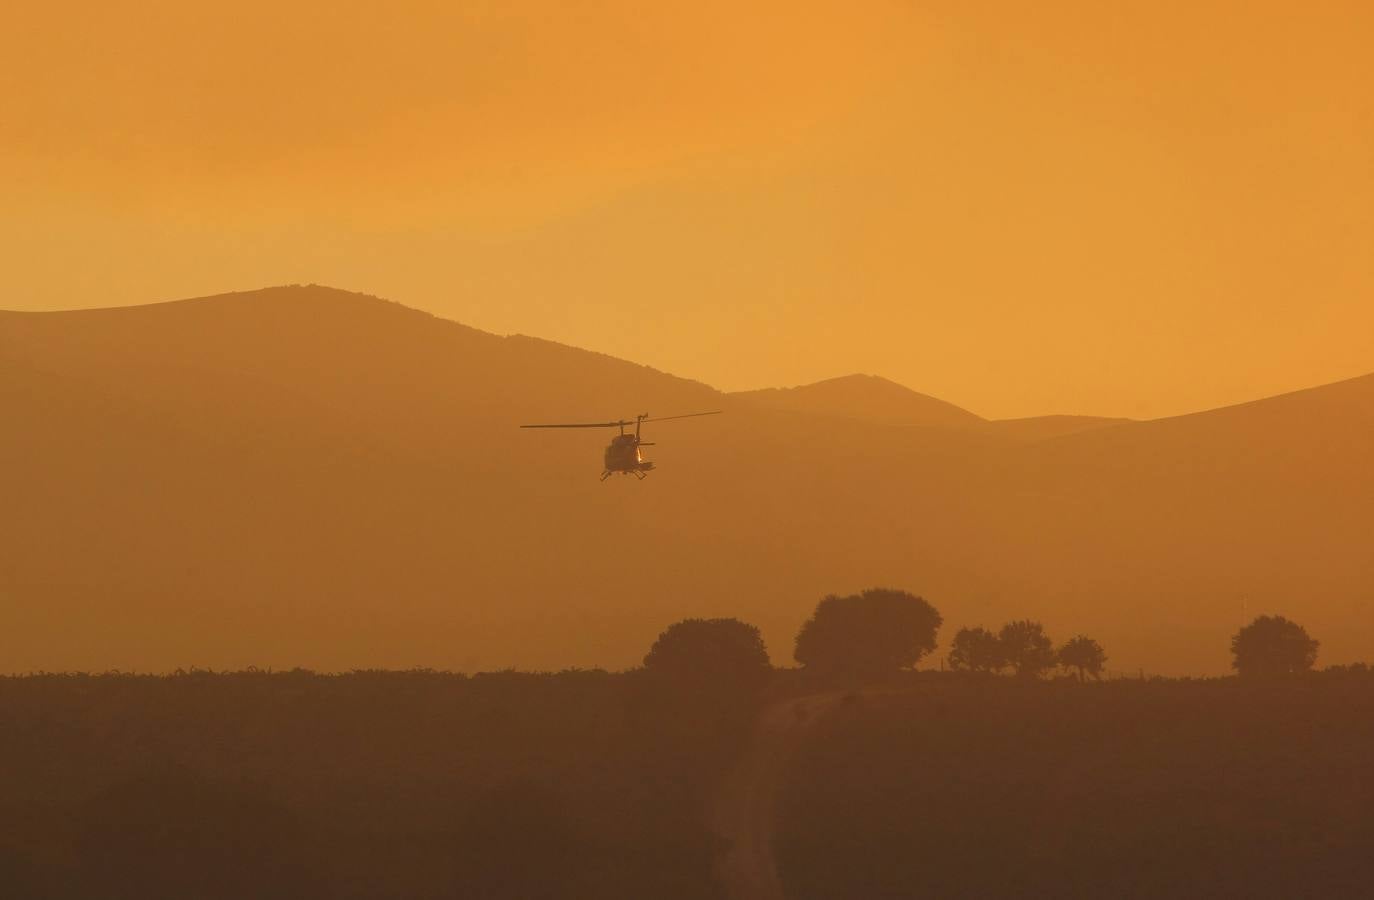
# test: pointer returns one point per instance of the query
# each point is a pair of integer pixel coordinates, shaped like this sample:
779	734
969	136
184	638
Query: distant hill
1040	428
867	398
306	476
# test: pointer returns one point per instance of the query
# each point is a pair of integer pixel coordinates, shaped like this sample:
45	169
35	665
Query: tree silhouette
868	634
711	653
976	650
1084	654
1028	649
1271	647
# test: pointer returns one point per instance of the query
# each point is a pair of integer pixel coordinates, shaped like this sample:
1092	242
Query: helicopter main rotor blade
714	412
623	422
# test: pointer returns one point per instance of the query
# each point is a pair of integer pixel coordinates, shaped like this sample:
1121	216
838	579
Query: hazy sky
1129	208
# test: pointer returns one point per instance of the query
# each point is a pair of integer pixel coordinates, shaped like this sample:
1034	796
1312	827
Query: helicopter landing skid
637	473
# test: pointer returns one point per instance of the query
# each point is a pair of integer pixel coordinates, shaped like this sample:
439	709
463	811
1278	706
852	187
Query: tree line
881	631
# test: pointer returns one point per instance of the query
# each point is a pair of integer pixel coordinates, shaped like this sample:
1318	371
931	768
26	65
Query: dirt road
745	804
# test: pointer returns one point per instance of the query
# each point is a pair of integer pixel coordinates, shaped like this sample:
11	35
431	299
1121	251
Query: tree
711	653
1084	654
1272	647
869	634
1028	649
976	650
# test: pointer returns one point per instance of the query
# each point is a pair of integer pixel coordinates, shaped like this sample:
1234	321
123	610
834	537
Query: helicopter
623	454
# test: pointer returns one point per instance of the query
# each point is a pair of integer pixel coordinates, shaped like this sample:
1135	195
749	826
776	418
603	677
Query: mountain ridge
870	398
314	293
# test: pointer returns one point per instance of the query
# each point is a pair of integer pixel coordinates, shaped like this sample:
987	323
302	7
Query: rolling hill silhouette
867	398
305	476
1039	428
876	400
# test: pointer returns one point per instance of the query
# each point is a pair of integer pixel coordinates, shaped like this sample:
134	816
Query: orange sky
1134	208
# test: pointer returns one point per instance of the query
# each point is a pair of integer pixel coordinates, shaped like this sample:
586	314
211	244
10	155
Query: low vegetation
368	784
966	787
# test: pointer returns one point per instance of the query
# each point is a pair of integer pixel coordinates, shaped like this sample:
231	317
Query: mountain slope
302	476
865	398
1039	428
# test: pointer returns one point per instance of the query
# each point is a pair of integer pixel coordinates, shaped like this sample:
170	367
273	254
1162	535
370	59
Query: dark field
594	785
1163	789
406	785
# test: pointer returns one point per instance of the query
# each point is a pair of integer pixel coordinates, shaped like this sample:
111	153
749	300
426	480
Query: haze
1132	209
307	476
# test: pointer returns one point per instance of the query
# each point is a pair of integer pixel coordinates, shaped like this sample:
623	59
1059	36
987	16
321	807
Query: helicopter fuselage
623	456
